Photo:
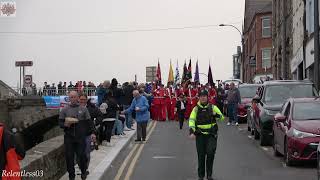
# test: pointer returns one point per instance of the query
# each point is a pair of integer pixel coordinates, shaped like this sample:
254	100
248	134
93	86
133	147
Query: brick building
257	41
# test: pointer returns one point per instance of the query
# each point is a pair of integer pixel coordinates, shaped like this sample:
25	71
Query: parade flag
185	69
189	72
170	77
196	75
210	79
177	77
158	74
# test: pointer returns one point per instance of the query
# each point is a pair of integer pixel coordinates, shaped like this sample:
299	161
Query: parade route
169	154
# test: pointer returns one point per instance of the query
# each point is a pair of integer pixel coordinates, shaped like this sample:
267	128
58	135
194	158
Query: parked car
296	130
247	92
269	101
318	161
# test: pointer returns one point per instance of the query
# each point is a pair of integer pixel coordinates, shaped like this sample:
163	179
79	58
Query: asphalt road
170	155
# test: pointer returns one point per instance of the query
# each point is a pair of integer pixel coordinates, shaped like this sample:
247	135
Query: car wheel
318	165
287	159
263	139
256	134
275	151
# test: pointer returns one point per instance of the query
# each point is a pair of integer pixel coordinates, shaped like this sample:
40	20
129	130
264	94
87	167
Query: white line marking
250	137
163	157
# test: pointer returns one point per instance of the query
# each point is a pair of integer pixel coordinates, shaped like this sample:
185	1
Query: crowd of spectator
62	88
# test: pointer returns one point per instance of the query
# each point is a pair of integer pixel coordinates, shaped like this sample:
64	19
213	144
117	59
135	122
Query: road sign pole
20	81
23	73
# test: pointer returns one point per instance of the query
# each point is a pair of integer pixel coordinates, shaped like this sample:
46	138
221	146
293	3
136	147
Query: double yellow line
136	156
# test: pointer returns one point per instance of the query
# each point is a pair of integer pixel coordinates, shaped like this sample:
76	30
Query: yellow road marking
134	160
125	162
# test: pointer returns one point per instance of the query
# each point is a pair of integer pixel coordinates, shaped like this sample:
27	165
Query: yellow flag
170	77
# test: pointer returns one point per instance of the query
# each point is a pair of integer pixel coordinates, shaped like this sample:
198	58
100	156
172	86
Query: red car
296	130
247	92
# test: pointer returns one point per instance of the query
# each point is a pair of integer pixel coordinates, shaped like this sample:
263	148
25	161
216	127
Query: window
266	58
310	17
266	27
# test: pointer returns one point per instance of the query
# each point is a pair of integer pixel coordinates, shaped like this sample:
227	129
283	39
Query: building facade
297	64
282	38
309	40
257	41
236	59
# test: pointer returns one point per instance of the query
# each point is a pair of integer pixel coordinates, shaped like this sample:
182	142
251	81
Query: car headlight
270	112
300	134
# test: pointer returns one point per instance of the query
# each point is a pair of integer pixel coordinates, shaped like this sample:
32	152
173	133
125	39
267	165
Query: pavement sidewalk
101	159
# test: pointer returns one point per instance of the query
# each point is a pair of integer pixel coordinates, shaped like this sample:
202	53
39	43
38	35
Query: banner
57	102
52	102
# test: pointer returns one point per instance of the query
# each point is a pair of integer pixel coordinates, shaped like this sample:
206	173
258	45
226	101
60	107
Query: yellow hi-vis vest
203	127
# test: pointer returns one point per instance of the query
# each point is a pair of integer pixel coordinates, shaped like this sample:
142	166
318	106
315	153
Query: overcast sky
95	56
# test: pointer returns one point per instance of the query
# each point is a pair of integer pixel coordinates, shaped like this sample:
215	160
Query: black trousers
108	126
101	135
142	130
181	115
206	148
75	146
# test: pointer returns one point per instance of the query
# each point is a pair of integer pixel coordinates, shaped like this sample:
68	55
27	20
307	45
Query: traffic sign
252	61
27	80
24	63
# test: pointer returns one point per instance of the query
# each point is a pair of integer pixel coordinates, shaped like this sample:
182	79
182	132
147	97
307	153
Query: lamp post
230	25
241	35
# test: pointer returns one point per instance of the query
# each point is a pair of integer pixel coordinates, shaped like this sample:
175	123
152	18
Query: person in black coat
109	114
116	92
181	109
96	117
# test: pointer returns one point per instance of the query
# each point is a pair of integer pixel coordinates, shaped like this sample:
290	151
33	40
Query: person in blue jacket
141	106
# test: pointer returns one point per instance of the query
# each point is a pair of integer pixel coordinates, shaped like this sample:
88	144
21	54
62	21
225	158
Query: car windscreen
306	111
277	94
248	91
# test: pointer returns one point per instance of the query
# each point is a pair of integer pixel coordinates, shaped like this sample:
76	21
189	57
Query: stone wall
47	157
4	113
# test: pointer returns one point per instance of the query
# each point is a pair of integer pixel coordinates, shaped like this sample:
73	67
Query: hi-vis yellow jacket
205	127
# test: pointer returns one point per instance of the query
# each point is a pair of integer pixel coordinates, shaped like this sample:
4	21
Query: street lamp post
234	28
241	35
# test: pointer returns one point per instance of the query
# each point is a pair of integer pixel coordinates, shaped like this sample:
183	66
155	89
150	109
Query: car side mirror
280	118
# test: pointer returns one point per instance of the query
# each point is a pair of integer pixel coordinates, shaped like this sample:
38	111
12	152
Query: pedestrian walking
140	105
76	122
204	128
233	100
180	110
